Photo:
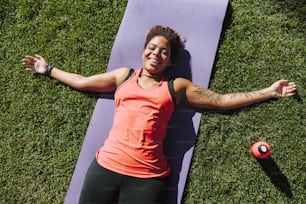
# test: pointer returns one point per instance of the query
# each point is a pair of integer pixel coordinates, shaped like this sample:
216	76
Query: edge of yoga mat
200	23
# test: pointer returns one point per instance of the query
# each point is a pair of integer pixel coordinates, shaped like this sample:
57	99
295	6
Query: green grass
43	122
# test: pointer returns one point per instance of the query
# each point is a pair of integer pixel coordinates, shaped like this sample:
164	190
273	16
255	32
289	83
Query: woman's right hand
36	64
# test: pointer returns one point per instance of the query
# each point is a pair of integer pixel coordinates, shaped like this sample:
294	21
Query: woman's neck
156	77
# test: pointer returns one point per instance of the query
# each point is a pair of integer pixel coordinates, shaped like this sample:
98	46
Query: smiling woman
173	38
156	57
131	165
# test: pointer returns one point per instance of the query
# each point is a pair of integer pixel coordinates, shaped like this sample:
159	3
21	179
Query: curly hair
173	37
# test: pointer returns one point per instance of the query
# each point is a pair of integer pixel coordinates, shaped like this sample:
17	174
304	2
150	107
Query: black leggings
104	186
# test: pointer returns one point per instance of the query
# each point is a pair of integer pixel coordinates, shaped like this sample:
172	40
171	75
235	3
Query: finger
32	70
290	94
284	82
29	57
291	86
39	57
291	83
26	65
284	91
27	62
291	90
29	66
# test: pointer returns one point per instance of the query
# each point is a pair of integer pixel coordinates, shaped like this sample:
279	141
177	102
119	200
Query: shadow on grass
228	18
291	8
278	179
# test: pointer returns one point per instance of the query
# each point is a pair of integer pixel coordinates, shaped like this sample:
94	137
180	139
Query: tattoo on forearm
207	94
215	98
246	94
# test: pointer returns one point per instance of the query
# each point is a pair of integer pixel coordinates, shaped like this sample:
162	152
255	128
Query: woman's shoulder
179	88
122	74
181	83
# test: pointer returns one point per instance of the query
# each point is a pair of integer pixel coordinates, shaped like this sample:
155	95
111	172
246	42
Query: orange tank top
134	146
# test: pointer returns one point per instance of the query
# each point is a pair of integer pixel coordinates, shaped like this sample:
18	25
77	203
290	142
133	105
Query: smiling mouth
154	61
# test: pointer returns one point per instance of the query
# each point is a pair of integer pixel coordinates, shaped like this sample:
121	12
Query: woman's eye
151	48
165	52
162	51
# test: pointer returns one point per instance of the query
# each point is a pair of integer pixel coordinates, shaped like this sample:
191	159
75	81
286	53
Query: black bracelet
48	71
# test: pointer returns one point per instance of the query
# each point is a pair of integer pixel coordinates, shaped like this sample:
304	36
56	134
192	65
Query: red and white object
260	149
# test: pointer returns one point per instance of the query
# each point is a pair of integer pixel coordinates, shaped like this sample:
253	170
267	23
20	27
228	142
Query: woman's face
156	55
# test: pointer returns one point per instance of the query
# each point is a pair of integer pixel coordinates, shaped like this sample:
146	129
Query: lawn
43	123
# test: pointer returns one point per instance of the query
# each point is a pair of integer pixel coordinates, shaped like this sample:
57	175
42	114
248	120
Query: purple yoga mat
200	24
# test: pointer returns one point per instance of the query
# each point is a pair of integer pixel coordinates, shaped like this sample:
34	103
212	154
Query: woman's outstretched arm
204	98
105	82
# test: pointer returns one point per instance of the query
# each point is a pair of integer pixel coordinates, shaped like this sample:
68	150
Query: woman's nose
157	51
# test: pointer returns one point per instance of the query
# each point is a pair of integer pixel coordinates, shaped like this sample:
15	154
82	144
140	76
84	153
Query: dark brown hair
173	37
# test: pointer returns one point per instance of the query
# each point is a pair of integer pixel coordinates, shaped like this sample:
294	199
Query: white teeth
154	61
